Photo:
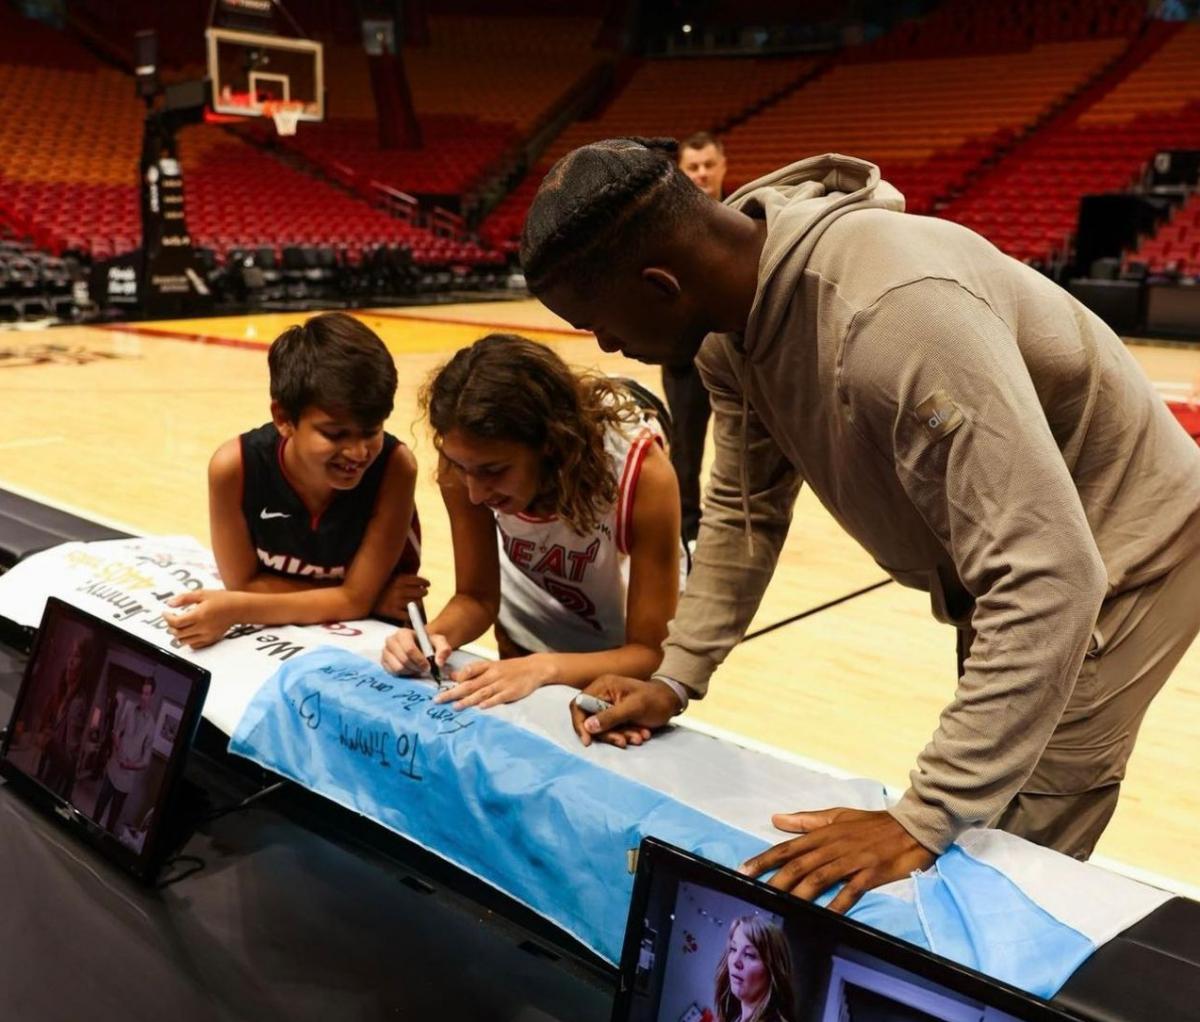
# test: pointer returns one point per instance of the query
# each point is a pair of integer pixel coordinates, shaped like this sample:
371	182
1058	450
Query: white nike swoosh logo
265	514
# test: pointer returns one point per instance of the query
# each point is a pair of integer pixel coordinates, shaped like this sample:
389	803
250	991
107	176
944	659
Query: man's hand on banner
864	848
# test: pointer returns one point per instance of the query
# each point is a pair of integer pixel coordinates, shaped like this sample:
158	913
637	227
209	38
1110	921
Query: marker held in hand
418	623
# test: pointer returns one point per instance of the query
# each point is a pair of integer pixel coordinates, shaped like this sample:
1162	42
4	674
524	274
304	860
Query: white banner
128	581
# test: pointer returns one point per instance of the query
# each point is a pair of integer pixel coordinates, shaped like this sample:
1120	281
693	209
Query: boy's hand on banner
203	618
398	593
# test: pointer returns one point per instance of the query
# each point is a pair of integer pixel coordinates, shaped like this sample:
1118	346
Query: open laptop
701	936
100	731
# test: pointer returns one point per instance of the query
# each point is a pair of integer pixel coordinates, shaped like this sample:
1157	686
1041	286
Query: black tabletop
295	914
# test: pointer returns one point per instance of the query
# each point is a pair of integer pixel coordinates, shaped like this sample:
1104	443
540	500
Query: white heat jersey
563	592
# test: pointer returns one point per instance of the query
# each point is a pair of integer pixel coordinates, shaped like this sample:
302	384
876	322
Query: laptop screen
100	729
705	944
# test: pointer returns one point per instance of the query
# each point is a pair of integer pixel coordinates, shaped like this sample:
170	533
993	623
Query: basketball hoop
285	114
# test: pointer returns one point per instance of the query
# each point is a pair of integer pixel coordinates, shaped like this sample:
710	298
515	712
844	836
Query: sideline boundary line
191	338
813	610
481	323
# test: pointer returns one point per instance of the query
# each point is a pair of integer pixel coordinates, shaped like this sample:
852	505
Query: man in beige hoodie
983	435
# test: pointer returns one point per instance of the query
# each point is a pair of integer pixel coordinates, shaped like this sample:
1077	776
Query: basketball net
285	114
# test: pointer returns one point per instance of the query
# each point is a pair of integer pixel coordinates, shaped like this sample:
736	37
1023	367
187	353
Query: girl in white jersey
564	513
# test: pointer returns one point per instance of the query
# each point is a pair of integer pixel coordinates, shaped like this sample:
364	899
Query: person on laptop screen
62	722
132	745
754	976
312	514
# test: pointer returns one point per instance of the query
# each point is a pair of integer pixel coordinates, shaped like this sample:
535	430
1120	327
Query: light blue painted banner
554	830
975	915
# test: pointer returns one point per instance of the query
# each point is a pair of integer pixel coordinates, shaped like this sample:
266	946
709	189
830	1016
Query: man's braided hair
599	203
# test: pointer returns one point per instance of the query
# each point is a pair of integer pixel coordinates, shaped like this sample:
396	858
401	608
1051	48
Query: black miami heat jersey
291	542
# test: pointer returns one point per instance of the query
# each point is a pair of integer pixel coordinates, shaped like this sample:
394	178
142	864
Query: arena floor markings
119	422
418	331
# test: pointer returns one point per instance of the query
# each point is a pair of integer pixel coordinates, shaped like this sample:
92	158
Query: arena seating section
982	26
70	134
478	87
238	195
1175	249
504	70
33	284
1029	204
926	122
1150	110
998	115
659	98
456	156
954	106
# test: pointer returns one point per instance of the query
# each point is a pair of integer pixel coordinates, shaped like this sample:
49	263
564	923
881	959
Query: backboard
249	69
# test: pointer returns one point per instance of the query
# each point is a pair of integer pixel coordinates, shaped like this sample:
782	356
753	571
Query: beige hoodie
983	435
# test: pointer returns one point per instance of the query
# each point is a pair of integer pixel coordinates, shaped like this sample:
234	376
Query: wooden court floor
119	422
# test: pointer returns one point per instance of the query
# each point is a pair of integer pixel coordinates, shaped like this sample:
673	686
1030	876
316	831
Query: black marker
418	623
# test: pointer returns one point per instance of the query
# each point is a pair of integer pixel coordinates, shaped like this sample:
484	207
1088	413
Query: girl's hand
207	615
487	683
402	654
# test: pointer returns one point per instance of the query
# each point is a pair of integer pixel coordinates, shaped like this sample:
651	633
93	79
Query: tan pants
1069	798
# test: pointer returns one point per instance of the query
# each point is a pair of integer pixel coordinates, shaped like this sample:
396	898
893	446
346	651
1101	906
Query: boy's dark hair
149	680
700	140
600	206
336	363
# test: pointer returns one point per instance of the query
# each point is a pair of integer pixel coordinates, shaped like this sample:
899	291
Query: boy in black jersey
312	515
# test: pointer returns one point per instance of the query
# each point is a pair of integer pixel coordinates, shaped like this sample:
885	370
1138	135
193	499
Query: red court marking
482	324
237	342
1188	416
154	331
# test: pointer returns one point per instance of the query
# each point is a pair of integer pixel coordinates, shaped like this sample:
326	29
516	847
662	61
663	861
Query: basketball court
118	422
180	184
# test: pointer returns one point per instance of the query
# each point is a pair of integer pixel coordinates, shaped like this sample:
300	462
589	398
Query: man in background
133	743
701	158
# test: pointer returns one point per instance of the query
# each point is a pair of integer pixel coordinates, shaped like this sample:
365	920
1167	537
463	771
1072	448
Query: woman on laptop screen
754	977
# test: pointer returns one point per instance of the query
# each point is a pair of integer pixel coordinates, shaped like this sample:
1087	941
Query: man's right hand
402	654
638	707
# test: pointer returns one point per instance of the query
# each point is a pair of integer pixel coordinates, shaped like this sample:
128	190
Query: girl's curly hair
507	387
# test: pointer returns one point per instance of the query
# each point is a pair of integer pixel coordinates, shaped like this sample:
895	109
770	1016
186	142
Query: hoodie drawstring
743	473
